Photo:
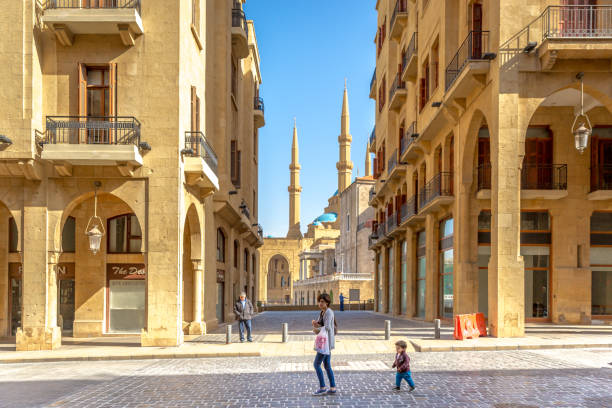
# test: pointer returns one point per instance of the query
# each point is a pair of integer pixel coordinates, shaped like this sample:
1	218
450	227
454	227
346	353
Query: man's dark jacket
246	313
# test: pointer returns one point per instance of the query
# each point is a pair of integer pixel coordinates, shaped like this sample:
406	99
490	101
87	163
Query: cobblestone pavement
503	379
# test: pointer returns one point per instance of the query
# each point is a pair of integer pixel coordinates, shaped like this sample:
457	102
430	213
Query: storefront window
535	249
421	274
601	263
445	294
127	305
391	276
404	283
124	234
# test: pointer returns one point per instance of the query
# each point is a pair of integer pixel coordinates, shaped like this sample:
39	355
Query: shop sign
65	271
15	270
126	271
220	276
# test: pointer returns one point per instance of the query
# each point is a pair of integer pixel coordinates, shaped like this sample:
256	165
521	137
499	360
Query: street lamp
584	129
95	226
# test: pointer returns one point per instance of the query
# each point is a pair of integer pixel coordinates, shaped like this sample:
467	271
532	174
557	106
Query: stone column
385	281
52	289
410	272
465	265
431	277
197	326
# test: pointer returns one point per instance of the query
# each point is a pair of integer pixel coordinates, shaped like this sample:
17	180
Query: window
535	249
601	263
379	268
13	235
484	254
445	294
235	163
220	246
68	235
601	159
234	79
382	33
255	204
421	274
382	94
435	65
404	277
537	170
424	84
236	253
348	222
484	159
124	234
97	98
246	261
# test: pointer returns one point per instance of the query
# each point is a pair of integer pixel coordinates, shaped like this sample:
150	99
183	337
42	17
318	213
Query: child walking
402	363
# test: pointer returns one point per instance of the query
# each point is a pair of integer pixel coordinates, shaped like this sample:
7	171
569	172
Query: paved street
503	379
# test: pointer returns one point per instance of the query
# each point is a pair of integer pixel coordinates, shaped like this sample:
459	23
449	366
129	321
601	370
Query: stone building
484	199
312	259
136	123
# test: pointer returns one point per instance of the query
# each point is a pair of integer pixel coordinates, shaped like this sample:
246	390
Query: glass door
127	305
66	303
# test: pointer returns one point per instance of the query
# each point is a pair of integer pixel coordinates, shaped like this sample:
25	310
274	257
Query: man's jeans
241	324
404	376
326	360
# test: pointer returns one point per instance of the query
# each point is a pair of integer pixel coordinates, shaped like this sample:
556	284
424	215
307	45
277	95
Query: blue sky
307	48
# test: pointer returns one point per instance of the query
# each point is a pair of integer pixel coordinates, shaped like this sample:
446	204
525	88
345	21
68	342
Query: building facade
483	201
121	146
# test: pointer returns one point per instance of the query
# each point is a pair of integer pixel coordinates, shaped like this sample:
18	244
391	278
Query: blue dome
316	223
335	194
327	217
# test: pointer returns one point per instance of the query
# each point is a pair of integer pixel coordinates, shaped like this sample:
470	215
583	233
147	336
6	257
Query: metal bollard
228	334
387	329
437	328
285	332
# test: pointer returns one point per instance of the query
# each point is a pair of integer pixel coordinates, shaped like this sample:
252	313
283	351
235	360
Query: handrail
484	176
116	130
409	208
544	176
392	162
259	104
410	51
197	142
601	177
400	7
577	22
440	185
91	4
410	135
474	47
239	20
397	84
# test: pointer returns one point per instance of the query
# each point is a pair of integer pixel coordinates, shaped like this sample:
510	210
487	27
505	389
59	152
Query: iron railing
122	130
397	84
199	146
244	209
441	185
474	47
391	223
259	104
392	162
239	20
601	178
577	22
484	176
409	208
373	80
544	177
91	4
408	138
373	136
410	51
400	7
381	231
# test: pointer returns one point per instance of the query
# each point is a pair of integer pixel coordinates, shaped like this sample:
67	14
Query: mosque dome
327	217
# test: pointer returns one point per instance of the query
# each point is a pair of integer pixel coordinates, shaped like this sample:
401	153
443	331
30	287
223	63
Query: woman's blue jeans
325	359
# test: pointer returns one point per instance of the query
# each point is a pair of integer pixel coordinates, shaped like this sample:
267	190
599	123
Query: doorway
220	301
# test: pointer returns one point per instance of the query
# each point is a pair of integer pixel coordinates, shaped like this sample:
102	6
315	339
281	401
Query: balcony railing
601	178
400	7
391	223
475	47
381	230
410	51
392	162
244	209
259	104
199	146
577	22
91	4
373	136
118	130
409	208
239	20
544	177
397	84
484	176
408	138
441	185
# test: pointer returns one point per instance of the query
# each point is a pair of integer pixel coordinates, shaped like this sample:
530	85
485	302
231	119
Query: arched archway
11	287
278	280
192	279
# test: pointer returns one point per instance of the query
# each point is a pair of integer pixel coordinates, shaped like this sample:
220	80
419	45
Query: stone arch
470	146
276	293
194	219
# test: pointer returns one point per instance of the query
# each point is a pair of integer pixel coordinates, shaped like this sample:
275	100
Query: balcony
484	181
68	18
399	19
258	112
468	69
391	223
92	141
409	137
601	183
395	170
438	192
373	85
409	212
566	31
240	34
410	59
397	94
200	163
543	181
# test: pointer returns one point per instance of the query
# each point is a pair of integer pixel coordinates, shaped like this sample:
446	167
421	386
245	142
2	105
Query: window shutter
422	96
233	161
82	90
193	108
113	89
375	167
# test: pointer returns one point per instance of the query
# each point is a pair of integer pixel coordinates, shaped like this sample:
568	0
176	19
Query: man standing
243	309
341	302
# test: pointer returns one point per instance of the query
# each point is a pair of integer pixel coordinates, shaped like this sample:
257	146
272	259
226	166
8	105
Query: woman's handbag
322	342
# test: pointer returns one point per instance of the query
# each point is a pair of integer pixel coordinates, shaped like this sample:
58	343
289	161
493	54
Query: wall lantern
95	226
584	129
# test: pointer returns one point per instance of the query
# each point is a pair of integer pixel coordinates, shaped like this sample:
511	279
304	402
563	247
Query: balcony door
477	30
601	159
100	3
537	165
97	103
578	21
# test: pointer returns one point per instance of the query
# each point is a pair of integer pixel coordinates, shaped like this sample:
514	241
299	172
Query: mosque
332	256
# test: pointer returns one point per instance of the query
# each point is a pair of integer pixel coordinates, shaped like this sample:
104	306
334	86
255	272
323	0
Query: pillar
410	272
465	262
431	277
397	278
52	288
197	326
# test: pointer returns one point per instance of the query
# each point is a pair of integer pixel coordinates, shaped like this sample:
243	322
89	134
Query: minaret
368	162
344	165
294	189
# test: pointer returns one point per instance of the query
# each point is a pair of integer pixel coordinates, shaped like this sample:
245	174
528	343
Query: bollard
285	332
228	334
437	328
387	329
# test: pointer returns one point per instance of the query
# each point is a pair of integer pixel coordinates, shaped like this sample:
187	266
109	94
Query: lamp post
95	226
584	128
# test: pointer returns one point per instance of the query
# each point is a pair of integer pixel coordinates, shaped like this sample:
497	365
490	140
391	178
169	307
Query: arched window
13	235
236	252
124	234
282	281
68	235
220	245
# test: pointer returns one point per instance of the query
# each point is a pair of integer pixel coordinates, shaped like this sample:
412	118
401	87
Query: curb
124	357
436	349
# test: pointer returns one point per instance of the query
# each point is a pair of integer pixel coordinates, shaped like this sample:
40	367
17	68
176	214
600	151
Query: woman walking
327	323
